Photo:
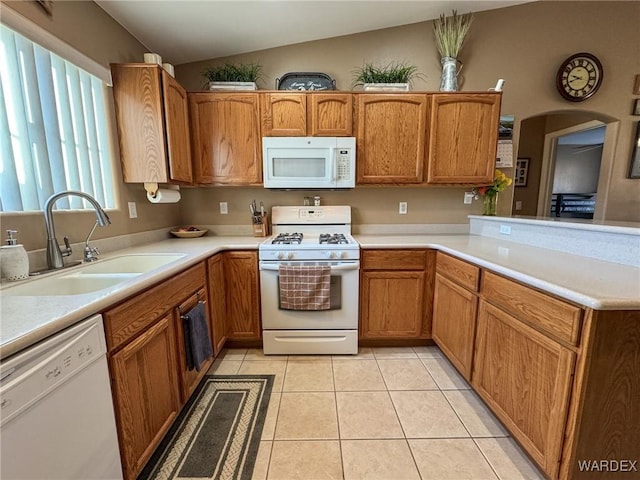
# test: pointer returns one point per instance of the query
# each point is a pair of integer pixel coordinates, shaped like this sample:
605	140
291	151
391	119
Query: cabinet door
177	123
189	379
146	393
284	114
463	138
137	98
225	138
390	133
454	322
392	304
243	295
217	301
525	378
330	114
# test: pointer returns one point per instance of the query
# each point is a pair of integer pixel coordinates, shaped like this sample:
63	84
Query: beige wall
90	30
531	146
524	45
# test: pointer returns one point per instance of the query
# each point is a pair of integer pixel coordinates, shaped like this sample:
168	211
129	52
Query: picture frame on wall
636	107
522	172
634	168
636	85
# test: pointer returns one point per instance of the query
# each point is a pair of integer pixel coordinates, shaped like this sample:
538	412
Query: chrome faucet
54	253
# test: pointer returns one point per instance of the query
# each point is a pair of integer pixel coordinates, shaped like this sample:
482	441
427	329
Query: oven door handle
334	268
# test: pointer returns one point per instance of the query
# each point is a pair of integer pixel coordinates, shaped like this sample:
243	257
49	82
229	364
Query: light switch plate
468	198
402	208
133	210
505	229
224	208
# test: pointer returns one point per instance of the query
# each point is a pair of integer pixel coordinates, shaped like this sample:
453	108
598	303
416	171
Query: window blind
54	129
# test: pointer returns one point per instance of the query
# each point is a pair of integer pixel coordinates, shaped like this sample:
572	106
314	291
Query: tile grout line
335	399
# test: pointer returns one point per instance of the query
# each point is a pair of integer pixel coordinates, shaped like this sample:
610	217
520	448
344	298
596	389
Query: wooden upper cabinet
286	114
463	137
152	123
391	138
177	123
330	114
225	138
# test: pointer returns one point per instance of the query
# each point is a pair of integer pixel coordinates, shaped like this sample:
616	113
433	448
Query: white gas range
311	236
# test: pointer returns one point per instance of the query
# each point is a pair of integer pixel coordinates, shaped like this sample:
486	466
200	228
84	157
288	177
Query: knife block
261	229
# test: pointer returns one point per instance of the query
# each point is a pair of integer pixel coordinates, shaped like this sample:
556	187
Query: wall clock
579	77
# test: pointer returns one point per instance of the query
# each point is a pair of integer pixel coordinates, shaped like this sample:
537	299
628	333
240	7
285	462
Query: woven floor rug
218	432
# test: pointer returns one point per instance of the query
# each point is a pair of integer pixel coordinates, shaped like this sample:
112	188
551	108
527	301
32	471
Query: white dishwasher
57	419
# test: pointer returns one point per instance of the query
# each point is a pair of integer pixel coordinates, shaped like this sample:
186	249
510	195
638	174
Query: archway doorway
538	142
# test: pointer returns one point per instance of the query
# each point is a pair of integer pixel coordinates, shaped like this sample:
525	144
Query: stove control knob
290	256
333	255
344	255
280	256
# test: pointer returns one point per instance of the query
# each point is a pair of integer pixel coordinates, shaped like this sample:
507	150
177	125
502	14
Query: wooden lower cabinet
242	319
189	379
454	322
145	388
146	351
217	301
395	294
525	378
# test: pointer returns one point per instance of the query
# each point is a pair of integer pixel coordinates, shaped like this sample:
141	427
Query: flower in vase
500	184
490	192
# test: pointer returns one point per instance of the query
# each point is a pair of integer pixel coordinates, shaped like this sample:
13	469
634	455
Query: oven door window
335	295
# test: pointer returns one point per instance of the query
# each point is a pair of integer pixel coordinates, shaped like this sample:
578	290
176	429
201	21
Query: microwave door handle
333	175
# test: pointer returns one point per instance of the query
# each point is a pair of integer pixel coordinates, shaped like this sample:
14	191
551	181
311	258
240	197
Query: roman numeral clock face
579	77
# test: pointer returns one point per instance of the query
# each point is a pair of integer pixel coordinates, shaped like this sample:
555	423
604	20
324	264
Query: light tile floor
384	414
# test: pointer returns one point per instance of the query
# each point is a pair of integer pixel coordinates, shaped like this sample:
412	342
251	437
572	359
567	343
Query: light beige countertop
25	320
586	281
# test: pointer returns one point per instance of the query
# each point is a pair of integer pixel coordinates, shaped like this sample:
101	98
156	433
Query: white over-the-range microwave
309	162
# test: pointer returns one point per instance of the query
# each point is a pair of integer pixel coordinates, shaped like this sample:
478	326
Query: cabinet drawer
548	314
135	314
394	259
459	271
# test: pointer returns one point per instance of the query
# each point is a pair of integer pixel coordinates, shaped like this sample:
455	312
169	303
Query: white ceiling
187	30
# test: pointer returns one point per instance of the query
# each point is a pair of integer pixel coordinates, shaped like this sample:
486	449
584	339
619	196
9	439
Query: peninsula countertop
589	282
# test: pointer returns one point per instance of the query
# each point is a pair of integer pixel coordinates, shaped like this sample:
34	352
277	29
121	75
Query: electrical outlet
468	198
402	208
505	229
518	205
133	211
224	208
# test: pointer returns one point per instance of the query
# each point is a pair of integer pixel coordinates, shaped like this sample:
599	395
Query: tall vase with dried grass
450	34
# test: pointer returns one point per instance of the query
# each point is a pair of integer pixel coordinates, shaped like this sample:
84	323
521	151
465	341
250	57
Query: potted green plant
450	34
233	76
394	76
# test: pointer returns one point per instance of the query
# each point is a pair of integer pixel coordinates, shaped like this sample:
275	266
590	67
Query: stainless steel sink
93	277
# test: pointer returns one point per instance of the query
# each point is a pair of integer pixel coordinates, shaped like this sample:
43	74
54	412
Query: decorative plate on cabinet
312	81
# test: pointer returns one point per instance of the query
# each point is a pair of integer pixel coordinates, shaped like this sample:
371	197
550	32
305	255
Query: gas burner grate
288	239
333	238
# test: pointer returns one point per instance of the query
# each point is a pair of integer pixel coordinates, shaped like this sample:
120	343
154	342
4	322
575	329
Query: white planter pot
233	86
386	87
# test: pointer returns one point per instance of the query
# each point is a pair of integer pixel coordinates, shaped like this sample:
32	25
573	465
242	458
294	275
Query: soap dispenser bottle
14	262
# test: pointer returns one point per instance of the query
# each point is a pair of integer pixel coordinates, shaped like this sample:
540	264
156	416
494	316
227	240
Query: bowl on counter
188	232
